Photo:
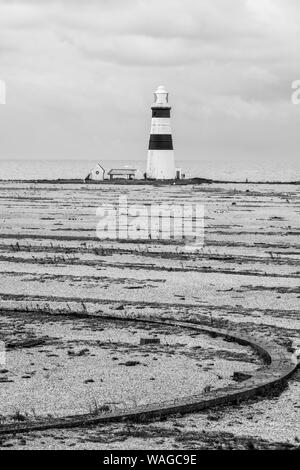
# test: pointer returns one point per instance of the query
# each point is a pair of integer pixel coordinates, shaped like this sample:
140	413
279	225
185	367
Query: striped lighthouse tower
161	164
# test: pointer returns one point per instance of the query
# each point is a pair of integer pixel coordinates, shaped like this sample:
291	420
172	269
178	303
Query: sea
78	169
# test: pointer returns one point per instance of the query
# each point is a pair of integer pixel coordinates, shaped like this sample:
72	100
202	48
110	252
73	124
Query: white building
160	163
97	174
125	173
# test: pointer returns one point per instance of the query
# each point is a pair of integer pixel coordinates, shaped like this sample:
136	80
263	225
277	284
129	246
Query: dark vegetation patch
279	290
175	436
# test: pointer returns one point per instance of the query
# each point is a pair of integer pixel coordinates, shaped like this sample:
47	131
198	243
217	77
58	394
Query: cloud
81	74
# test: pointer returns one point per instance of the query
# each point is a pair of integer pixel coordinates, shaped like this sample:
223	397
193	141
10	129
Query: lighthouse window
97	172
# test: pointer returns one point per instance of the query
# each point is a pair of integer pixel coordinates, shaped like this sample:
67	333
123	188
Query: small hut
97	174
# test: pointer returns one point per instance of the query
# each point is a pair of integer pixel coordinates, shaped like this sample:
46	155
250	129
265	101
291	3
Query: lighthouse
160	163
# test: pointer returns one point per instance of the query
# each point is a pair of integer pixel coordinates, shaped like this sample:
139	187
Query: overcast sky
80	77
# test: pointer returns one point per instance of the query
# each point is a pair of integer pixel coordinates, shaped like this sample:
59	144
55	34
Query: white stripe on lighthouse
161	126
160	164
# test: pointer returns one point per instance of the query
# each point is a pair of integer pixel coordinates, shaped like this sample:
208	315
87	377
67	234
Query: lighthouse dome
161	89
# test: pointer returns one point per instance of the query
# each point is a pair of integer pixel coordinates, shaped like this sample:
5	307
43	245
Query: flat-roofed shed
127	173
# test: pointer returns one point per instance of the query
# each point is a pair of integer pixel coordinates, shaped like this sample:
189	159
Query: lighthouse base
161	165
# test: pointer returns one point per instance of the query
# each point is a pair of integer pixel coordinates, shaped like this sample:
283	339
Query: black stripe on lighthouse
160	142
160	112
